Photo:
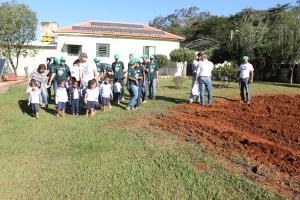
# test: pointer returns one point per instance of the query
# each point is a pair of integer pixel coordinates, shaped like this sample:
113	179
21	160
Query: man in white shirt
246	73
88	70
195	67
204	75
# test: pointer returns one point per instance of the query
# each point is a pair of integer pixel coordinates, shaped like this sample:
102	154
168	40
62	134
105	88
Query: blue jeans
140	92
44	94
75	105
191	94
205	82
35	108
244	85
152	88
135	94
146	89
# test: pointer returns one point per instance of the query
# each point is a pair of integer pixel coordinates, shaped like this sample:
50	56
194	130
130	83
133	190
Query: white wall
33	61
121	46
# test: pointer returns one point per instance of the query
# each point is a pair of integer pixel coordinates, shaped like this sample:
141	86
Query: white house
104	40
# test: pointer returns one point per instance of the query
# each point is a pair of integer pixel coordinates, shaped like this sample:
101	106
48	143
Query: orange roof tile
116	29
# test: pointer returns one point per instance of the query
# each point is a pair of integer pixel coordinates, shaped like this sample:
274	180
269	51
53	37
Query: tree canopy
269	37
17	30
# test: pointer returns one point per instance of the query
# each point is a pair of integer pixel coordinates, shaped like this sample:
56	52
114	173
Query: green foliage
18	27
182	55
270	37
161	60
226	70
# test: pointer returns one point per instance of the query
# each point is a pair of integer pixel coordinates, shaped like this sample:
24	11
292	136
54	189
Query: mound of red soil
267	132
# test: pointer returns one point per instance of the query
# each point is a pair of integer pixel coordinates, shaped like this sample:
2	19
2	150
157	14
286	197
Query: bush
161	60
179	81
226	70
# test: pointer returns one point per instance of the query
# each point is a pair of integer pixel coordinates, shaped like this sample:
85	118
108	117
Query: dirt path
5	85
266	132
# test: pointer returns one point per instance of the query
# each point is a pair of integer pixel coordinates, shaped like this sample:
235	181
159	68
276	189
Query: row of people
84	76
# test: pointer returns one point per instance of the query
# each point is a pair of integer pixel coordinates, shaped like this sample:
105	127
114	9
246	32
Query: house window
149	50
74	50
102	50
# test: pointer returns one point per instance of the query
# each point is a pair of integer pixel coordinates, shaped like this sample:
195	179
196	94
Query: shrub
179	81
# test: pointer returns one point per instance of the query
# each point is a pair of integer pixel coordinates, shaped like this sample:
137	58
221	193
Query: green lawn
97	158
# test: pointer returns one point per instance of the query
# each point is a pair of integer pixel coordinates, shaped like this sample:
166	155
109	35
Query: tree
182	56
161	60
180	20
17	29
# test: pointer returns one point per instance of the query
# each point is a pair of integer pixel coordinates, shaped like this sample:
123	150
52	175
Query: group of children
96	93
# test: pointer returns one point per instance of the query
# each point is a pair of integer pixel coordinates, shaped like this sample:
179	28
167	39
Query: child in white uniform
61	98
34	97
106	93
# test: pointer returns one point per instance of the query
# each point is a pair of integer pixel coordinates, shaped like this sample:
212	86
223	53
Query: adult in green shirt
60	73
145	65
141	80
153	77
100	69
118	70
133	83
51	67
130	64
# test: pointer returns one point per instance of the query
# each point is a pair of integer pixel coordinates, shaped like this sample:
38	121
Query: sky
68	12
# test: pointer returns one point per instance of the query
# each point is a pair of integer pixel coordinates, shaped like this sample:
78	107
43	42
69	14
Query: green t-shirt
129	65
61	73
153	68
132	73
100	68
140	71
52	67
146	66
118	69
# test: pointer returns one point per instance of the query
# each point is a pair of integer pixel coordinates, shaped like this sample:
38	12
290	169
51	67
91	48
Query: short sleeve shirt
245	70
62	72
140	71
88	71
100	68
118	69
153	68
132	73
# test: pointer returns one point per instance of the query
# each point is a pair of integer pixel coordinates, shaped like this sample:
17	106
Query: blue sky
67	12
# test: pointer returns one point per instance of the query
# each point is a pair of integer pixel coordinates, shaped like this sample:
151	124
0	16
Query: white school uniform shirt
61	95
88	71
245	70
205	68
76	93
105	90
117	87
91	94
34	96
75	72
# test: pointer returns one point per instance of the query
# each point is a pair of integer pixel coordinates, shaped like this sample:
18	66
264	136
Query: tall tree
17	29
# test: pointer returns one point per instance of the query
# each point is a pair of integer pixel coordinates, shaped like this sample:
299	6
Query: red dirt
267	132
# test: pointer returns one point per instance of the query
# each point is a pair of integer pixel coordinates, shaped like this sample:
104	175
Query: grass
85	158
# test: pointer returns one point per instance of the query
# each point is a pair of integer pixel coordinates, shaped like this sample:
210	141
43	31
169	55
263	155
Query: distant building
103	40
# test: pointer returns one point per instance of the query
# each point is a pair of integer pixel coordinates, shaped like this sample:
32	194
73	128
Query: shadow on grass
23	104
171	99
281	84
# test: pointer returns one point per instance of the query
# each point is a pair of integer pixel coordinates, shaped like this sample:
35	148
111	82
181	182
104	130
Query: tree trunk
292	74
15	71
